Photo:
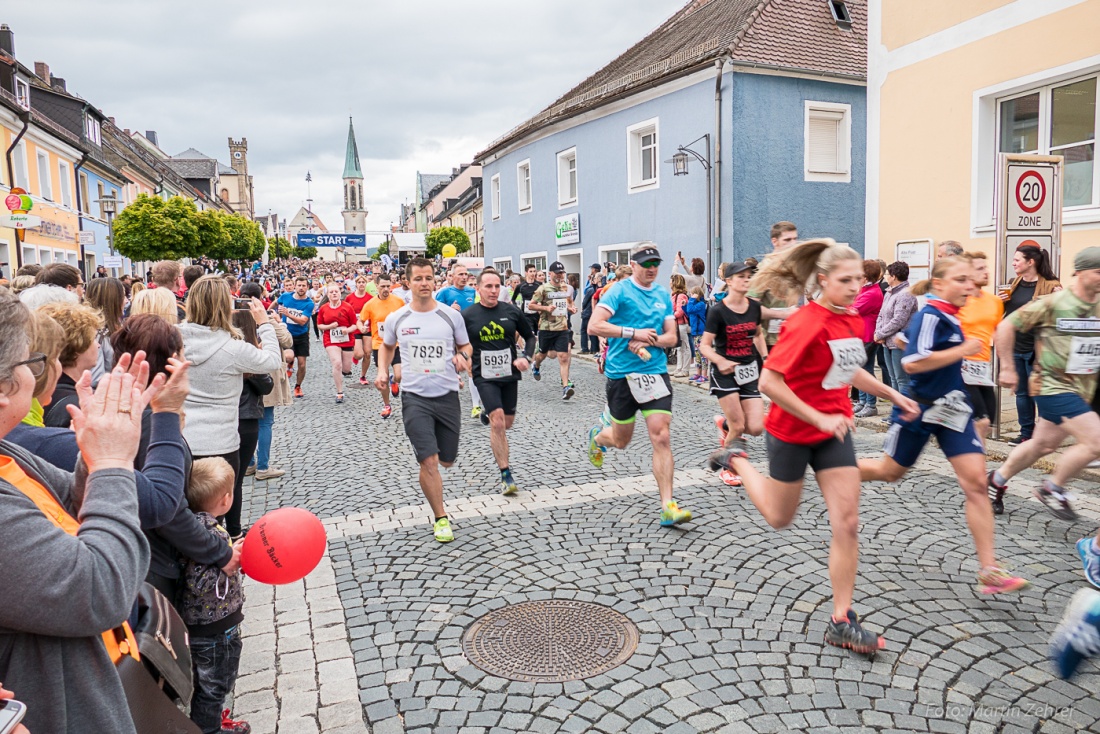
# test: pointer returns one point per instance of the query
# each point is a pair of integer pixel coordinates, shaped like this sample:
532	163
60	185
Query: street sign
86	238
1029	209
112	261
917	254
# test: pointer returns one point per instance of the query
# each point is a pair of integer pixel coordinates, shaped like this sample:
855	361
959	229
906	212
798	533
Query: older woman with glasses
73	556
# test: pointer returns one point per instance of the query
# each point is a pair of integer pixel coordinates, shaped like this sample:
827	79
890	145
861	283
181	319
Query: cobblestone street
730	613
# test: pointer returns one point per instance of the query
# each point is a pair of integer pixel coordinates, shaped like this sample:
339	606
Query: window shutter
824	141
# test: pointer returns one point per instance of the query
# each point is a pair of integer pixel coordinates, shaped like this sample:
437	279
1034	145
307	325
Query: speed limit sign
1029	208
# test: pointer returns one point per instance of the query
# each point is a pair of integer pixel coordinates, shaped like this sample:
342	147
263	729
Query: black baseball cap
595	266
734	268
557	267
646	254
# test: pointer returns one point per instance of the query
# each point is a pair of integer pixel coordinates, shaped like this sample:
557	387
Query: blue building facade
598	163
94	182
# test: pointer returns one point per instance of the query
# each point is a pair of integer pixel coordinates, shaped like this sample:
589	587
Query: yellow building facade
43	165
952	84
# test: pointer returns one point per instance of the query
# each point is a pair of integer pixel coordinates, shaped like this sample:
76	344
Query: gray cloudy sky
428	82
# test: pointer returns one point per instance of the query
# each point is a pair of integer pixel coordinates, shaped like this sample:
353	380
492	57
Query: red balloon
284	546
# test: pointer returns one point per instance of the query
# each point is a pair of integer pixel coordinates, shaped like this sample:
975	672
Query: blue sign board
325	239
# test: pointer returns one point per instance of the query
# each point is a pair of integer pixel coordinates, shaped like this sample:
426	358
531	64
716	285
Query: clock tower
354	213
238	155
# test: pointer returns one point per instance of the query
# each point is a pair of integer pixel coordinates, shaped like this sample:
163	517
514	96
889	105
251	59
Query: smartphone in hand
11	713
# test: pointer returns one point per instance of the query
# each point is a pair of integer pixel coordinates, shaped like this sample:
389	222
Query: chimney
42	71
112	120
151	136
7	40
57	83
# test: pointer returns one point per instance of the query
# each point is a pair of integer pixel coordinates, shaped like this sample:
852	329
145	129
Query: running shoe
442	530
723	429
673	515
567	391
355	361
536	373
346	374
1055	500
595	451
250	470
1078	634
720	459
508	484
729	478
996	494
339	398
265	474
233	726
476	412
289	373
850	635
484	418
363	381
298	391
1091	559
395	388
387	410
993	580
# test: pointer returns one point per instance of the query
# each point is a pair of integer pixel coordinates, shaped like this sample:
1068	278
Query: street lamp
680	161
108	205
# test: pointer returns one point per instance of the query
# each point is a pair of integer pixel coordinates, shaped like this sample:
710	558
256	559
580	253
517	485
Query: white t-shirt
427	341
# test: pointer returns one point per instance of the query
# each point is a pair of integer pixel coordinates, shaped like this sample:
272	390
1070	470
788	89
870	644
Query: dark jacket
55	415
210	602
255	387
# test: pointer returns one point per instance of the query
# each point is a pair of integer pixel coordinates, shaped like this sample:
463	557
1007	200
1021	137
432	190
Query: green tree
212	234
151	228
436	238
280	248
305	253
245	237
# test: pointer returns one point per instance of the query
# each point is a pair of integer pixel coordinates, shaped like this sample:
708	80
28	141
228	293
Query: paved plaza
730	613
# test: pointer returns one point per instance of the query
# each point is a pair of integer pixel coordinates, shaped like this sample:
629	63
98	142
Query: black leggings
316	330
234	459
250	435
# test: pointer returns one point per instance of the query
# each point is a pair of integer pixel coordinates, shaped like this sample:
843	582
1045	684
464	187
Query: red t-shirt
345	316
816	351
356	302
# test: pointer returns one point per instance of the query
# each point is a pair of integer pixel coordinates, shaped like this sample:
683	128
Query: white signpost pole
1028	205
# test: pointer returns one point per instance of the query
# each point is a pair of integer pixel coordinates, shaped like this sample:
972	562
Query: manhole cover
550	641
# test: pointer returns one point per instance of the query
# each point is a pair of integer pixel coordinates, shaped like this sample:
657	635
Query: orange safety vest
118	641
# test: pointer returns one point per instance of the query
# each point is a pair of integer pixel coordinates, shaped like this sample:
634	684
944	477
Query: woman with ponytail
820	353
1035	278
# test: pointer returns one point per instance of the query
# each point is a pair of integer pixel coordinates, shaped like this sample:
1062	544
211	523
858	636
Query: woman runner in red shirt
357	299
338	322
807	375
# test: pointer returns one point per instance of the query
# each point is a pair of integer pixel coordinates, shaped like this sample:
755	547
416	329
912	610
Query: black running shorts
788	461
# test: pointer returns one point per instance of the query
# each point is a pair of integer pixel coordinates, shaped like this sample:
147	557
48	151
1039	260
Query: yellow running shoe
673	515
442	530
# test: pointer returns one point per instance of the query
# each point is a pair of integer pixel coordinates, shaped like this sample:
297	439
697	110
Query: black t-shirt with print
734	332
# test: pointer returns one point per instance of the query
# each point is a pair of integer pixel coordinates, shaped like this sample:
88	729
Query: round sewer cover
550	641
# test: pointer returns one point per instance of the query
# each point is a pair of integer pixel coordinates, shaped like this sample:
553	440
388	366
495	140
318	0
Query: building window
615	255
536	259
23	93
91	129
828	142
66	184
841	15
494	196
567	178
523	185
1057	120
45	180
19	162
642	153
84	194
502	265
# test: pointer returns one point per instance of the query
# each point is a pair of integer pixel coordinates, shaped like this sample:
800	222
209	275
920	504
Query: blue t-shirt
298	308
638	308
450	295
932	330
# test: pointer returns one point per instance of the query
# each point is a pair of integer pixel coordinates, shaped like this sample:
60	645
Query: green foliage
305	253
280	248
440	236
151	228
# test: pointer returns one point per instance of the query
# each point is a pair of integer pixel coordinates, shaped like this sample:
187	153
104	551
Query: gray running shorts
432	425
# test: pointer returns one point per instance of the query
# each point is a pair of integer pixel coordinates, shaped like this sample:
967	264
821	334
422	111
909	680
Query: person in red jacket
337	320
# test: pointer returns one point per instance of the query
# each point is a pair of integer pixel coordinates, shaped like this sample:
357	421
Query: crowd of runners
786	345
789	328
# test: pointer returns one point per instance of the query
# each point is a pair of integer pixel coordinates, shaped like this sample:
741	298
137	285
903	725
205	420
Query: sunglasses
36	363
651	264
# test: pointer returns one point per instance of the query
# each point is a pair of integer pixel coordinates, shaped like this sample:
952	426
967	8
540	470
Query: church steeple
351	158
355	210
